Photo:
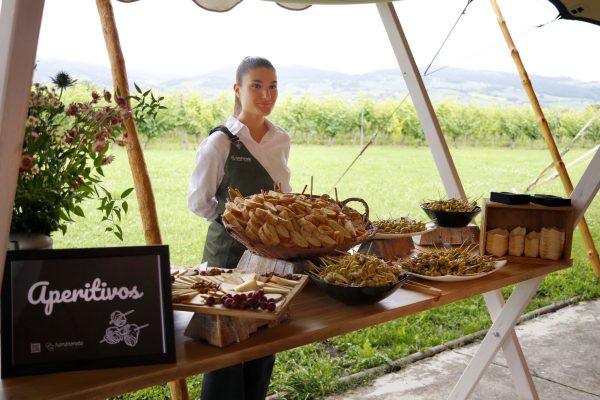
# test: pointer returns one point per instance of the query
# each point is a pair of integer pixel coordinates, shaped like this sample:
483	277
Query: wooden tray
257	314
389	236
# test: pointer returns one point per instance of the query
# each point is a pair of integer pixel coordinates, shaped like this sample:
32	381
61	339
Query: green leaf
119	235
108	195
108	229
126	193
125	207
109	207
78	211
62	215
137	88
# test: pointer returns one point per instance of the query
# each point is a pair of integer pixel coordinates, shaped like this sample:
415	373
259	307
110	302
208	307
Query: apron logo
241	159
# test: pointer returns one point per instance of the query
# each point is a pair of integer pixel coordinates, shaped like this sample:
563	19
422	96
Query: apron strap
222	128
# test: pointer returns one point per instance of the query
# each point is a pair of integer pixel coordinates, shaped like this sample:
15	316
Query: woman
250	154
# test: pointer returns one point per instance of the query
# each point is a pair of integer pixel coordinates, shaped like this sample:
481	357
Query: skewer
336	195
311	186
421	288
304	190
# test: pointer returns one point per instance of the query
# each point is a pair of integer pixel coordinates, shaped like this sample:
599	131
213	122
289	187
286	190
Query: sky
176	37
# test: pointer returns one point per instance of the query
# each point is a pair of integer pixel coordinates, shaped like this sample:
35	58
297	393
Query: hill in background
466	86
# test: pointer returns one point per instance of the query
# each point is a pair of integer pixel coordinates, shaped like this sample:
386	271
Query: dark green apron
245	173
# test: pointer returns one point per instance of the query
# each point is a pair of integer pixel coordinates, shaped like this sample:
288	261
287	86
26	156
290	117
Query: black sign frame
152	260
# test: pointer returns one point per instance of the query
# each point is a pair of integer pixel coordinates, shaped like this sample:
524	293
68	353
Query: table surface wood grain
314	317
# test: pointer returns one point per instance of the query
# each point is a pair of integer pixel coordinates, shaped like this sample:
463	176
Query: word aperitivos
40	293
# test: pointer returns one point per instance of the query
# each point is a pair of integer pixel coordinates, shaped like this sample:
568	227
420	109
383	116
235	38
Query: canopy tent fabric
581	10
296	5
226	5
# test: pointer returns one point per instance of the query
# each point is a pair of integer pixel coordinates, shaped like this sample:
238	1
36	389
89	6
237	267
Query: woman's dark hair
247	64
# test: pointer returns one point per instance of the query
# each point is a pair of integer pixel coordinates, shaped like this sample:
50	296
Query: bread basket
286	253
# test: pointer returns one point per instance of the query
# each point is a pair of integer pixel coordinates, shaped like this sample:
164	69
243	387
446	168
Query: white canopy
297	5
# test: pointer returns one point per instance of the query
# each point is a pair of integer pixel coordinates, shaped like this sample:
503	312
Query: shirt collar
234	125
239	129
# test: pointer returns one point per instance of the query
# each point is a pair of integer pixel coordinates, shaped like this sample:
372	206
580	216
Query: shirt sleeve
207	175
286	187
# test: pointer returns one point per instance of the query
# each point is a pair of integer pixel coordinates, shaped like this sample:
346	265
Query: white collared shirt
272	152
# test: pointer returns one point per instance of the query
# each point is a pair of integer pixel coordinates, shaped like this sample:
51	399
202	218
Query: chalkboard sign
86	308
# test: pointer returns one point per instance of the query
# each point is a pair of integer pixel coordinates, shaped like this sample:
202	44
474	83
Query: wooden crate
532	217
454	236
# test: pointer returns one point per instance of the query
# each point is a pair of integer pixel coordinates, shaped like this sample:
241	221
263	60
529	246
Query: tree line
311	120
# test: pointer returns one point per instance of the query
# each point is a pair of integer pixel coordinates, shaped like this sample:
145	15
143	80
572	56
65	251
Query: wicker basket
286	253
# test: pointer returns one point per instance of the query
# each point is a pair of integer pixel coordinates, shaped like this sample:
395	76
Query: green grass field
394	181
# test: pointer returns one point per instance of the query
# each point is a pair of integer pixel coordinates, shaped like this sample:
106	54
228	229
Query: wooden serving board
388	249
219	309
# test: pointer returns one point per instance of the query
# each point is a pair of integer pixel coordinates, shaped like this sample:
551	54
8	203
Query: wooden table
314	317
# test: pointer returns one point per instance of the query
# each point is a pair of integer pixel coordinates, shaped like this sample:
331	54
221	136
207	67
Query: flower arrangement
64	153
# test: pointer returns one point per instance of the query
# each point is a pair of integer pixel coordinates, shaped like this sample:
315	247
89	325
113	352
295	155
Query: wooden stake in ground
545	128
141	180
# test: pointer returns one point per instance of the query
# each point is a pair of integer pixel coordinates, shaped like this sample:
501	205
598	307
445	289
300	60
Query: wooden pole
547	134
178	389
141	180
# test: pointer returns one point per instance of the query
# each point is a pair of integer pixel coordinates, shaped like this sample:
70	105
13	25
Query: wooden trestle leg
512	350
501	331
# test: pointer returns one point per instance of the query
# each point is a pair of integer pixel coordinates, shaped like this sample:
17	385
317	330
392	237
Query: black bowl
358	295
452	219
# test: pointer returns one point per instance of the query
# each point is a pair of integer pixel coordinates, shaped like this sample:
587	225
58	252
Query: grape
271	307
210	301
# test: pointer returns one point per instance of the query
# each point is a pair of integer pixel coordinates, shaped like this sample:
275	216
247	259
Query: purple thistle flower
26	162
72	110
98	146
107	159
121	101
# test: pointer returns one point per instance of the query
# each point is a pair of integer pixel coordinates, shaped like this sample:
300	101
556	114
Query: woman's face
258	91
